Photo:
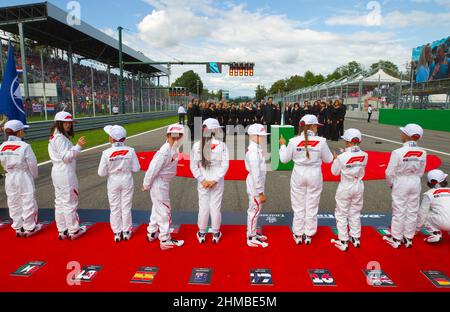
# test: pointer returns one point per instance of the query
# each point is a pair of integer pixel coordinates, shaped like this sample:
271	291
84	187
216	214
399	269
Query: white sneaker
256	242
216	237
20	233
298	239
341	245
261	237
201	237
407	242
171	243
63	235
356	242
436	237
151	237
79	233
117	237
392	241
308	240
127	235
36	229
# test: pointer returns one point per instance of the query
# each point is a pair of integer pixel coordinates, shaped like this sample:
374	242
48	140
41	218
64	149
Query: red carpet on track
375	170
231	261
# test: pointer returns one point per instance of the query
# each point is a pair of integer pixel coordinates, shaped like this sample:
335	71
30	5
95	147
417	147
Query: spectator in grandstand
423	67
115	109
439	69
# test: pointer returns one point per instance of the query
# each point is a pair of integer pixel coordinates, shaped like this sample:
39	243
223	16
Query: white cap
64	116
211	124
437	175
15	125
413	131
257	129
116	132
175	128
352	135
310	120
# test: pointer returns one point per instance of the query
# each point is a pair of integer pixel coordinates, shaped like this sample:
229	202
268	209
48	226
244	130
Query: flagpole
24	62
1	57
43	84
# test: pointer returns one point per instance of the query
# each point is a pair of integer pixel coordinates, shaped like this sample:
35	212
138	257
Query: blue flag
11	103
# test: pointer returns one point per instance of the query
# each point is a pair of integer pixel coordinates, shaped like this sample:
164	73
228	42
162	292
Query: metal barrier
41	129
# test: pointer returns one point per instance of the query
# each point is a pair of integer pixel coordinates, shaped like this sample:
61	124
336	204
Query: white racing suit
19	162
349	195
255	163
118	163
63	155
210	200
435	210
161	171
306	179
406	167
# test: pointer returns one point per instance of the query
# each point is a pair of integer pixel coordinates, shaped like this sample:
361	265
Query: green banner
288	132
427	119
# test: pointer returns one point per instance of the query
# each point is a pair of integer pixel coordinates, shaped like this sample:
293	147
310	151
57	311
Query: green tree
389	67
295	82
278	86
260	92
189	80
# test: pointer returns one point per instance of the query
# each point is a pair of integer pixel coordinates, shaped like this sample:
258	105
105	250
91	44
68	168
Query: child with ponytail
308	151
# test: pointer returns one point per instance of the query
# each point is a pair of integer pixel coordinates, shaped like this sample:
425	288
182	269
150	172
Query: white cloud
199	30
397	19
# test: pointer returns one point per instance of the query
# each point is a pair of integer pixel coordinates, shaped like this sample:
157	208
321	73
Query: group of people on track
209	163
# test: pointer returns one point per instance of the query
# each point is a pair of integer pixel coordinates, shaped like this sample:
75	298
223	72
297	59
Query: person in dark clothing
295	117
328	119
287	114
232	120
277	111
212	111
322	119
306	108
335	120
241	115
225	114
342	113
205	112
259	114
269	113
190	119
196	109
250	115
316	109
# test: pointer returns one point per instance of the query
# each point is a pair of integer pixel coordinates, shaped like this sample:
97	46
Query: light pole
198	89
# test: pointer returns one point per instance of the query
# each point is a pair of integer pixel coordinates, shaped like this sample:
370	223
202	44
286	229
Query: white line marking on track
395	142
106	144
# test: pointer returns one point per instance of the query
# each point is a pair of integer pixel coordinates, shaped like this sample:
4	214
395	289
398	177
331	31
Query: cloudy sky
283	37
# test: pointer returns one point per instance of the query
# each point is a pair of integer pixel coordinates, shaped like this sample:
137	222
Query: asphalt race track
183	191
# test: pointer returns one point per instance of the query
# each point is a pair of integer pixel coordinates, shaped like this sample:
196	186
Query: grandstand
358	91
379	89
78	65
